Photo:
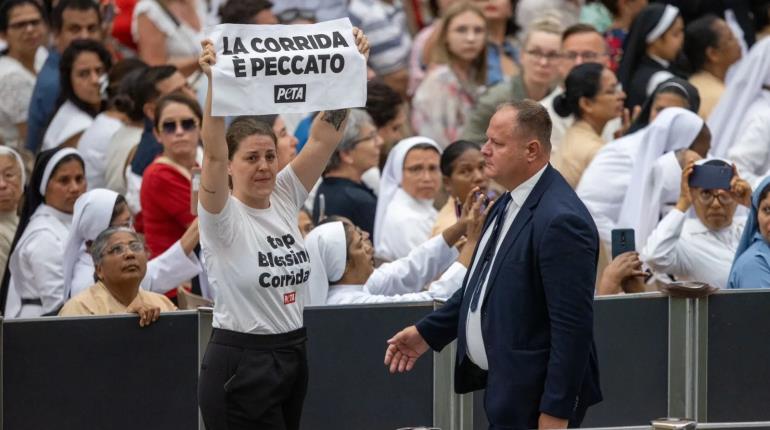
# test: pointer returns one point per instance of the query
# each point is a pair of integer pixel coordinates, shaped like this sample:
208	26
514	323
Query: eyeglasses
21	25
584	55
540	55
371	136
291	14
707	197
170	127
122	248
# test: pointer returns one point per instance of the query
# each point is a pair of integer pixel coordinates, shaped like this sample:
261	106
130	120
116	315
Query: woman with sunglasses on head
167	182
120	261
100	209
257	263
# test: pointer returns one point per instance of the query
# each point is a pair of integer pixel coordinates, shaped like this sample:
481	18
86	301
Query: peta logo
290	93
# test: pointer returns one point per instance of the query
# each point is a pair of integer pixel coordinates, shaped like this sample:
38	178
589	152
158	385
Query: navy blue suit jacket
537	314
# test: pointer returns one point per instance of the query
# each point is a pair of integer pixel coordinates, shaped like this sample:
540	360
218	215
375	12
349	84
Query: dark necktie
483	266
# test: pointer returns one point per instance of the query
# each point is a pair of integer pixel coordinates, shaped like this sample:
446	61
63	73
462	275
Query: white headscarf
390	182
52	163
673	129
743	87
4	150
327	249
91	216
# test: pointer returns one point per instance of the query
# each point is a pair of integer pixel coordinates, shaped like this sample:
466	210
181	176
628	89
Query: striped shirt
385	26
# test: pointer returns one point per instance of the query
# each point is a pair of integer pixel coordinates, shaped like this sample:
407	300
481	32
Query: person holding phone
701	248
256	261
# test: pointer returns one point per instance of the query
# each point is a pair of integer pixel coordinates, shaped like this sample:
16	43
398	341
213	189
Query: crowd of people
119	190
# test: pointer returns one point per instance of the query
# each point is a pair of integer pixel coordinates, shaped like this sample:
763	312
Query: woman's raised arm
325	133
214	188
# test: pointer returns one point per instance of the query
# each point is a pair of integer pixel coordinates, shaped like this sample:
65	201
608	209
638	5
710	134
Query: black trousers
253	382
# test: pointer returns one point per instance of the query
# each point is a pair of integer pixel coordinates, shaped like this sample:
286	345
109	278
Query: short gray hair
357	120
100	243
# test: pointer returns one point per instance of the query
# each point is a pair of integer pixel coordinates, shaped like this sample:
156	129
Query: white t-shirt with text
256	261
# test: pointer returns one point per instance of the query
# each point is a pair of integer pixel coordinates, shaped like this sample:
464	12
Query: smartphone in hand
622	241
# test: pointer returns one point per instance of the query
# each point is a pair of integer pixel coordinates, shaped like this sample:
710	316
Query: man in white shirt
700	248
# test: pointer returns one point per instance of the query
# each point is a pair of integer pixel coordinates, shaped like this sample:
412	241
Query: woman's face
540	59
666	100
466	35
124	260
26	29
422	176
287	143
67	183
670	44
360	250
123	217
10	183
366	153
178	132
87	69
254	166
467	173
763	217
608	103
495	10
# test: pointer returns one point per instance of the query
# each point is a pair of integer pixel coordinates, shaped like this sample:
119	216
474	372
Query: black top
636	90
352	200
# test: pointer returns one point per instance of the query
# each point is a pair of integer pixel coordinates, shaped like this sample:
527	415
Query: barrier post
205	316
1	373
700	361
681	353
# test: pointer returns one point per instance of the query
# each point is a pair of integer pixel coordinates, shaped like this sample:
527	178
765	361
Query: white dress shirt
473	334
686	248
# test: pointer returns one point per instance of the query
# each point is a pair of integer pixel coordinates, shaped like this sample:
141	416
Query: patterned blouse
442	105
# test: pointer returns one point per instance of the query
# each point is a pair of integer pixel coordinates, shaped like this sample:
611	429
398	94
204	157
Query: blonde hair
548	22
441	53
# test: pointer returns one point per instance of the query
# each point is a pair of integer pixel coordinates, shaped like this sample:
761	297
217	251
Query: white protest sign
274	69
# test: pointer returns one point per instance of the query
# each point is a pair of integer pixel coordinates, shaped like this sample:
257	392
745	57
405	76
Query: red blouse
165	198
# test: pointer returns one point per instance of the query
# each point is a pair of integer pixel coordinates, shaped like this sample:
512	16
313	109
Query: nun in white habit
354	280
657	171
740	123
606	186
34	282
403	220
99	209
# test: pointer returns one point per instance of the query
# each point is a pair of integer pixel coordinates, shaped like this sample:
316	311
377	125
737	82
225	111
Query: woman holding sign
254	373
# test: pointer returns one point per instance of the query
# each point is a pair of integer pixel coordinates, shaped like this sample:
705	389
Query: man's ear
346	157
712	54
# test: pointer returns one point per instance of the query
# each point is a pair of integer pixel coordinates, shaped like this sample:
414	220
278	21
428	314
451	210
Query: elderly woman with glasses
701	248
342	191
120	260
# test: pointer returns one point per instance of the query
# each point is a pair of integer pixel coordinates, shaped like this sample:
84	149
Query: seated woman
751	267
675	138
444	100
23	27
166	185
673	92
342	264
13	179
462	168
592	94
34	282
84	65
120	260
99	209
740	119
605	181
700	248
653	43
342	189
405	213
